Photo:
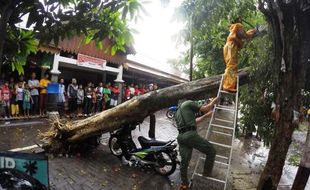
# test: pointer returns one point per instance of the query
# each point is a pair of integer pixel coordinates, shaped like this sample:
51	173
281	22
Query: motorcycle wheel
115	148
170	114
166	164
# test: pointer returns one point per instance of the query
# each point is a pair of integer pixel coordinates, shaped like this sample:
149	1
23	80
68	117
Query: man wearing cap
188	137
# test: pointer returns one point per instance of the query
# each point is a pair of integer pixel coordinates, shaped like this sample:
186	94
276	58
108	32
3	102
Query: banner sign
23	171
91	62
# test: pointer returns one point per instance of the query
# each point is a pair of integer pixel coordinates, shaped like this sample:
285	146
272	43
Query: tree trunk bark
289	29
62	135
303	172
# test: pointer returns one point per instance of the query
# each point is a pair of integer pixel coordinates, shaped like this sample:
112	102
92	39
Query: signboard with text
91	62
23	171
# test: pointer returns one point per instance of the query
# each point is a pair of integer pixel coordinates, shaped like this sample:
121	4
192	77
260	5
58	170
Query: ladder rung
221	126
219	144
211	178
226	92
223	120
221	163
218	132
223	157
226	109
203	158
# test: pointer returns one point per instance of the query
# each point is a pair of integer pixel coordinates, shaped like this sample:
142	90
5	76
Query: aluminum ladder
221	134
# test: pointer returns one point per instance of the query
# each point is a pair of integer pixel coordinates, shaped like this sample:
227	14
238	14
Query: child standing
27	100
80	99
20	96
14	104
6	95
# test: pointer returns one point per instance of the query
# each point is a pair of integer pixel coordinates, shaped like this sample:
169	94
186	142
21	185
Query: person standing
61	97
99	97
27	101
189	139
43	93
107	95
132	90
34	85
80	99
137	90
72	96
22	81
114	95
6	96
13	102
20	97
127	93
234	44
88	100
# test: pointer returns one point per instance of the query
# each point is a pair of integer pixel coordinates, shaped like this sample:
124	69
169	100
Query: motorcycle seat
150	142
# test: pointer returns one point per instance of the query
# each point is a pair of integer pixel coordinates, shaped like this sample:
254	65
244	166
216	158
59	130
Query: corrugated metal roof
75	45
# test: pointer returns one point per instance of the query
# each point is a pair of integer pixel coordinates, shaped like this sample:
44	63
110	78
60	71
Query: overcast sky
154	43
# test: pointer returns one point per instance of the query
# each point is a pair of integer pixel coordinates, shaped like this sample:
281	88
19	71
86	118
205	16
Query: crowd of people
24	98
29	98
79	100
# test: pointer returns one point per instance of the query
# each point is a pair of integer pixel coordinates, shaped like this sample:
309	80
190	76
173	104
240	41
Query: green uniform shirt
188	109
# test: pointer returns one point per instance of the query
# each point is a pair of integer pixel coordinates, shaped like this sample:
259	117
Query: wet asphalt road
101	170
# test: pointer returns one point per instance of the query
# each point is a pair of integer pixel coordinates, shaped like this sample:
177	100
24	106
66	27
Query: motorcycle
171	111
158	155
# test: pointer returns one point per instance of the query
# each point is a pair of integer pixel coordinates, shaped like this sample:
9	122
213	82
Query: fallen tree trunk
61	135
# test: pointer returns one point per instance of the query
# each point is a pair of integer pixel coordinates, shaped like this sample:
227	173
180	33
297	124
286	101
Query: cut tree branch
61	135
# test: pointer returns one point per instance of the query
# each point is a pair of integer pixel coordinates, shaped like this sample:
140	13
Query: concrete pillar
55	72
119	81
104	77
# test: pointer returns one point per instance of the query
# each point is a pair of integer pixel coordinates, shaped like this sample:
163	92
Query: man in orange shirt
231	51
43	92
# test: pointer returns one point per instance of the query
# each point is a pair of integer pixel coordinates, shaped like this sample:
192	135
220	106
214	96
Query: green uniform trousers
189	140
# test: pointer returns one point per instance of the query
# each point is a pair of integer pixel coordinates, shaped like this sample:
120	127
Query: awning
74	45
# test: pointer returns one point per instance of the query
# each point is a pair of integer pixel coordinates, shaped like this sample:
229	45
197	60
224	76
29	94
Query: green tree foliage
19	44
211	21
52	20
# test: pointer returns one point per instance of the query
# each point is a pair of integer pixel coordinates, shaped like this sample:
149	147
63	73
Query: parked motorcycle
171	111
159	155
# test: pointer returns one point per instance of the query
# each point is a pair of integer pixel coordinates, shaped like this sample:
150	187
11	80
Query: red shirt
142	90
137	92
115	90
127	92
5	92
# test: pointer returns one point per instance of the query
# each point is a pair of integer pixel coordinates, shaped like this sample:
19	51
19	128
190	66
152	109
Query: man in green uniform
188	137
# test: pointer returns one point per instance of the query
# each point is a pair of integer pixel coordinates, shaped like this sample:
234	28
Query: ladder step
219	132
210	178
219	144
222	126
223	157
226	92
225	164
226	109
223	120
